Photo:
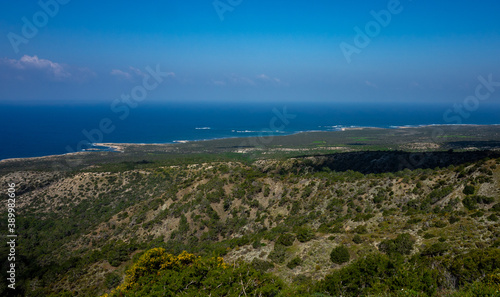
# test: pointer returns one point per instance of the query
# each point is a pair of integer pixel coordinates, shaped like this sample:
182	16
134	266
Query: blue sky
95	51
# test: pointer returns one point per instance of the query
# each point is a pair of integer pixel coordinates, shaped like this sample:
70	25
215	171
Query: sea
41	130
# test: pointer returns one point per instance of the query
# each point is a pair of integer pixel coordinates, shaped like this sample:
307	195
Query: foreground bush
158	273
377	274
340	255
477	264
477	273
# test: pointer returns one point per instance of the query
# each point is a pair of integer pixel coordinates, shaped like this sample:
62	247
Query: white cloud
55	70
130	74
137	72
261	79
271	80
117	72
241	80
218	82
32	65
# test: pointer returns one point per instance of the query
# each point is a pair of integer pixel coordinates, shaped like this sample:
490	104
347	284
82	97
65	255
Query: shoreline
42	157
120	147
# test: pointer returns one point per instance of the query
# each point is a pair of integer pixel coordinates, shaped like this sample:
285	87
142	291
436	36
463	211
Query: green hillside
348	224
430	231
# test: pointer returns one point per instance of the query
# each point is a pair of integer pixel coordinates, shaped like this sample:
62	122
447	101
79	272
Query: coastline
121	147
43	157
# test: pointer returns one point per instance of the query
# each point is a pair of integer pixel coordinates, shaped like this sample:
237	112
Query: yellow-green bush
158	273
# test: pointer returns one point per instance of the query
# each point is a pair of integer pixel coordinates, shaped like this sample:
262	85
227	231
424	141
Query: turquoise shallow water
28	131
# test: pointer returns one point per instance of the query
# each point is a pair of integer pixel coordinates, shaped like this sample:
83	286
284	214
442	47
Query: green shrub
112	280
117	252
304	234
261	265
435	249
477	214
485	199
278	254
469	203
475	264
453	219
357	239
335	205
377	275
361	229
294	263
439	224
429	235
257	244
413	221
340	255
267	191
286	239
472	201
469	190
157	273
480	288
439	194
493	217
496	207
403	244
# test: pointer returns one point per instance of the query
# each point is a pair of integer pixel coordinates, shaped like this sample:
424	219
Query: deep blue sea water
30	131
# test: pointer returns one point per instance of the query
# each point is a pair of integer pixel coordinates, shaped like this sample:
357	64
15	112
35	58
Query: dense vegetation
287	227
158	273
378	274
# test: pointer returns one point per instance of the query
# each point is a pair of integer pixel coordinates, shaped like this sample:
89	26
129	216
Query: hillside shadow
484	145
393	161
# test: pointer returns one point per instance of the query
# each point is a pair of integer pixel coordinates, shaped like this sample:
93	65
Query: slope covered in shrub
158	273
